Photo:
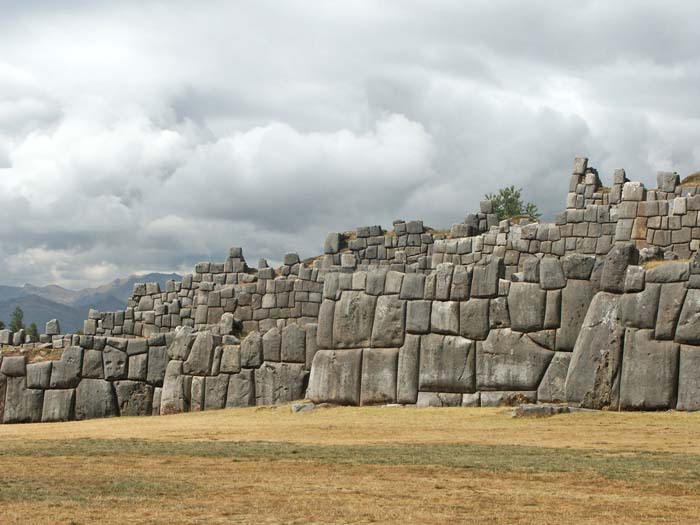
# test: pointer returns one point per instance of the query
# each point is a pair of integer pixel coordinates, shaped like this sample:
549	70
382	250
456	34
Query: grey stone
157	363
92	364
6	336
252	350
389	322
134	398
418	317
293	344
230	359
413	286
552	388
485	277
272	344
498	313
179	349
379	376
635	278
375	282
175	394
352	320
532	410
303	407
507	398
446	364
527	304
438	399
461	284
638	310
52	327
136	346
65	373
94	398
201	354
22	404
216	389
444	318
241	389
138	367
115	363
593	377
689	378
507	360
471	400
311	330
407	374
670	304
552	312
197	391
278	383
649	372
669	272
551	274
39	375
332	243
335	377
575	300
325	324
615	267
578	266
14	366
688	329
59	405
474	319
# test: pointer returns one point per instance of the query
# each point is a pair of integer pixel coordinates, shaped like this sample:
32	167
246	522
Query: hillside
70	307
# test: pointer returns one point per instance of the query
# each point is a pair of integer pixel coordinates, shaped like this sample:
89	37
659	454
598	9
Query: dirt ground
354	465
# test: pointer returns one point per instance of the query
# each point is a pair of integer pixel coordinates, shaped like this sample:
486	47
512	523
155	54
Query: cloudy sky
140	136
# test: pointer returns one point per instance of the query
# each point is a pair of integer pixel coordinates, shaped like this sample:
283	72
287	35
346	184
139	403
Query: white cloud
141	136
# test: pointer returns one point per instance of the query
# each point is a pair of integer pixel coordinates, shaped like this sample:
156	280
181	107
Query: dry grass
354	465
691	180
648	265
33	354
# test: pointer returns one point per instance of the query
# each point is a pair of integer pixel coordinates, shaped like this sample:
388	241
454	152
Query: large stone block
418	317
92	364
216	389
94	398
485	277
551	274
65	373
59	405
638	310
252	350
325	324
22	404
438	399
278	383
230	359
649	372
335	377
575	300
594	373
311	343
157	363
293	344
241	389
615	267
670	304
474	319
14	366
379	373
184	338
175	394
527	303
272	344
552	388
352	320
407	375
389	322
39	375
115	363
508	360
688	329
138	367
578	266
413	286
444	317
689	378
447	364
201	354
134	398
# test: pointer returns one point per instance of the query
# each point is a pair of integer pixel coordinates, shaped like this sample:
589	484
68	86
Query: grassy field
357	465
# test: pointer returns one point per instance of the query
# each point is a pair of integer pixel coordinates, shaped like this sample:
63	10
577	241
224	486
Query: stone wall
600	308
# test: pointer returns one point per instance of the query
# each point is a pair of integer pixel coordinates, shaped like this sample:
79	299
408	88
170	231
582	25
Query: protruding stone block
352	320
379	373
335	377
94	398
134	398
446	364
389	322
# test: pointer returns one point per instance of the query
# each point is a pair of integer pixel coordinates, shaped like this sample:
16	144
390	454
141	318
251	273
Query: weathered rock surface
447	364
335	377
379	376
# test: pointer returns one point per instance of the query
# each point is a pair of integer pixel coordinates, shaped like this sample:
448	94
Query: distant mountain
70	307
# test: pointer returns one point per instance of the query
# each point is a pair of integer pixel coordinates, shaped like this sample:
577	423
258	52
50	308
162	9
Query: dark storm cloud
139	136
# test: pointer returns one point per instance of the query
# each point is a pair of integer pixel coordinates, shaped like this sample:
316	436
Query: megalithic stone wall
600	308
